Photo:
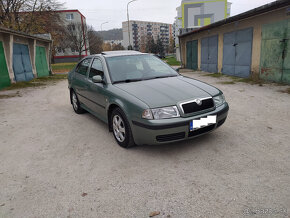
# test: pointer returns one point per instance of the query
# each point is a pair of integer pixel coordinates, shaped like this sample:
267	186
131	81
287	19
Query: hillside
113	34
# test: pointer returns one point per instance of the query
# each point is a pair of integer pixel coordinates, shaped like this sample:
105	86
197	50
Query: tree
107	46
33	17
143	44
95	41
160	47
116	47
171	45
76	38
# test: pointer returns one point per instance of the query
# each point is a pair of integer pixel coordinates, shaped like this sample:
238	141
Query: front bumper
177	129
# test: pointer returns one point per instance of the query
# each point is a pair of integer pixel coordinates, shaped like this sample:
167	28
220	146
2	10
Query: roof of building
18	33
71	10
254	12
120	53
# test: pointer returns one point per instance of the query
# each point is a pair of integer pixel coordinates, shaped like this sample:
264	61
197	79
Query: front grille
193	107
201	131
170	137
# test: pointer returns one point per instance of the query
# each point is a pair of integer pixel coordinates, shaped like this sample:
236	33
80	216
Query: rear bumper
173	130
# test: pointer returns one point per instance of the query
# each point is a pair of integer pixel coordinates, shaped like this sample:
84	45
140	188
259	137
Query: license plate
202	122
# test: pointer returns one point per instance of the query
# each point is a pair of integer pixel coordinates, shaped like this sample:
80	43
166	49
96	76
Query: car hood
168	91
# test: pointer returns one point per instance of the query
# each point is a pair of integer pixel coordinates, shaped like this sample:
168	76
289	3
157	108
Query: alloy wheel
75	101
119	128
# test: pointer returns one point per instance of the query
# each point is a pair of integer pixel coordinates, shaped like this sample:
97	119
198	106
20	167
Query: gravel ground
55	163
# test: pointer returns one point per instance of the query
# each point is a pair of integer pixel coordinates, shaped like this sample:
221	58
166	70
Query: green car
143	100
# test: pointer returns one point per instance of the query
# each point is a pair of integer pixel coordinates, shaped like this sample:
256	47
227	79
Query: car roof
121	53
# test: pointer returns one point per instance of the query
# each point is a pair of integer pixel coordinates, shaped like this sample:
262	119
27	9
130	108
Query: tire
75	103
121	129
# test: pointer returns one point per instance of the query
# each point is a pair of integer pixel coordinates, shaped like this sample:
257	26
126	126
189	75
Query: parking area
55	163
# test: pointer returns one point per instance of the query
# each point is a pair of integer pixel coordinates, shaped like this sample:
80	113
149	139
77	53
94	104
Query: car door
80	80
96	91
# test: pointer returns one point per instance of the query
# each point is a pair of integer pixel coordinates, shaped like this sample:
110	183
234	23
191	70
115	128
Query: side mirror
178	69
97	79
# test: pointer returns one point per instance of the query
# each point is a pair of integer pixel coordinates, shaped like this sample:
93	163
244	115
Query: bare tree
29	15
76	37
33	17
95	41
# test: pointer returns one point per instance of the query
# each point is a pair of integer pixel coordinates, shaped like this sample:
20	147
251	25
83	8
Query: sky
115	11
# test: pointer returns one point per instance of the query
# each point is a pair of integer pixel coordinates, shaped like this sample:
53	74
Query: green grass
227	82
37	82
63	67
237	79
215	75
171	60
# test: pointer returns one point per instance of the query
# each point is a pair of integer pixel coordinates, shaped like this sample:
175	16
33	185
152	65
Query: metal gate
275	52
21	63
41	62
209	54
237	53
4	75
191	55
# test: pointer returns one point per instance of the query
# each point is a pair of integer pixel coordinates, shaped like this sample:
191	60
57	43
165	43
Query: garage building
22	57
254	44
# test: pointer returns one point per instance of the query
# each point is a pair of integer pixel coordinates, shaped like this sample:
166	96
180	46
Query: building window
69	16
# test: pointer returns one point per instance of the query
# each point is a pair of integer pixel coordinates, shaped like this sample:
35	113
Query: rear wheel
75	103
121	129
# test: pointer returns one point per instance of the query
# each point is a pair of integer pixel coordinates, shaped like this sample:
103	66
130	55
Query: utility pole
129	21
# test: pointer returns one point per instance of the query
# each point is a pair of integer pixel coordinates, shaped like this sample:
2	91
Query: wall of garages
258	46
22	57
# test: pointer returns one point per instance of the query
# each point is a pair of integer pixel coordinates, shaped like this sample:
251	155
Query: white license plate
202	122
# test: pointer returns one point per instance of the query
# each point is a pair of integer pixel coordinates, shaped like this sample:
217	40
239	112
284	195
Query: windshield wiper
127	81
160	77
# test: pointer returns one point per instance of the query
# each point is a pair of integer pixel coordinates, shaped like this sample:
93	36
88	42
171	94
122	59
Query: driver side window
82	68
96	69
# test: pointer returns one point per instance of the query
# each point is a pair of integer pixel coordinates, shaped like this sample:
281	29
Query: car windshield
138	67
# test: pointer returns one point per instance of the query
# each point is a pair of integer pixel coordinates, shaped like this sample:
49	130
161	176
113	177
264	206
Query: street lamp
129	20
102	25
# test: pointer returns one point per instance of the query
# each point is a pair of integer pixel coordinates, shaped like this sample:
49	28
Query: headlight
219	100
161	113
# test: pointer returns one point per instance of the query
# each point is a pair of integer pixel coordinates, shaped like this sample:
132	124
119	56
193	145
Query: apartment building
139	30
193	14
70	17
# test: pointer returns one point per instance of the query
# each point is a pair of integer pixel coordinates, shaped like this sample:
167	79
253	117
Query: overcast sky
115	11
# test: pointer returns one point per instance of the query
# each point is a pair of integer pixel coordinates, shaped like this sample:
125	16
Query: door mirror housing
97	79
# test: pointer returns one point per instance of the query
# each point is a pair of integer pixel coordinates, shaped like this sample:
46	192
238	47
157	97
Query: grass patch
37	82
11	95
63	67
285	91
227	82
171	60
215	75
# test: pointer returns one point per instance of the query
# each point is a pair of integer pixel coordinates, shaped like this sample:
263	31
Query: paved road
55	163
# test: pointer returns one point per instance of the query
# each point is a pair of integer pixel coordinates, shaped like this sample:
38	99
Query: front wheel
75	103
121	129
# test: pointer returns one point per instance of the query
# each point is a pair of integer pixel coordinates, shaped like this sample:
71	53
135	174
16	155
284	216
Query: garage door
21	63
41	62
237	53
209	54
275	52
4	75
191	55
